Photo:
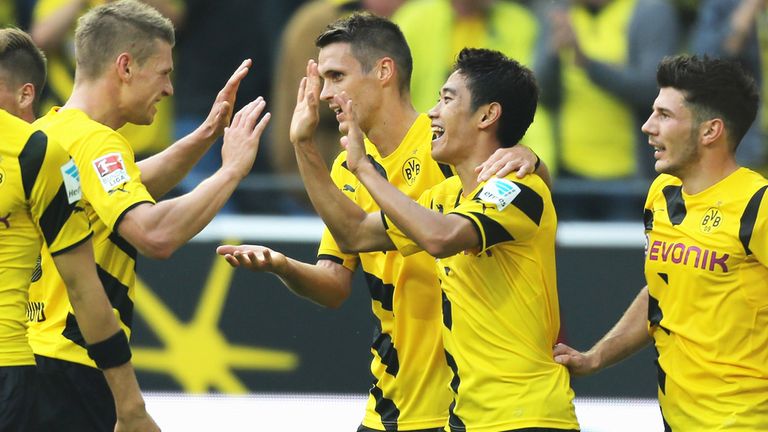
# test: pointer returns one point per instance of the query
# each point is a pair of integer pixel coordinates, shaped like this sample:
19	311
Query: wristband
111	352
538	162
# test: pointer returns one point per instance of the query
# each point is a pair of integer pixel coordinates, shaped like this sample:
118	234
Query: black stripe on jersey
648	219
447	316
661	375
456	380
675	204
381	292
69	248
333	258
454	422
124	246
446	170
379	168
386	408
495	233
667	427
749	217
31	160
55	215
382	344
117	293
654	311
384	220
122	215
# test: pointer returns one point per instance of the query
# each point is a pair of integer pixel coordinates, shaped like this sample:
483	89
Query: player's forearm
341	215
159	230
432	231
49	33
163	171
314	283
628	336
129	403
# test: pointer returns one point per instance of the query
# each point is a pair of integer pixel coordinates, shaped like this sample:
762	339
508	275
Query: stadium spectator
34	181
738	29
124	65
595	63
368	58
706	218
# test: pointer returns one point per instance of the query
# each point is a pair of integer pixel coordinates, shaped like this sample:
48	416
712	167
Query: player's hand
353	140
241	138
221	112
253	257
578	363
139	421
306	114
506	160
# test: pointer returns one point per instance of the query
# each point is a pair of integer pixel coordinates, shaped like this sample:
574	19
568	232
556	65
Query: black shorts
73	398
18	388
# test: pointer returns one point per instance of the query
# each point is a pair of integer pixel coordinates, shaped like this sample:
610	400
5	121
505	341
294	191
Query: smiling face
672	131
151	81
342	72
454	122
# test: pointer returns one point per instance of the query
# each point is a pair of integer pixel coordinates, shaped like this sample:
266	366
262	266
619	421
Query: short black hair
713	88
372	37
493	77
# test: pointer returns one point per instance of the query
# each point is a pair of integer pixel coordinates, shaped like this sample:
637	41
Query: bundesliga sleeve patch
111	171
71	181
500	192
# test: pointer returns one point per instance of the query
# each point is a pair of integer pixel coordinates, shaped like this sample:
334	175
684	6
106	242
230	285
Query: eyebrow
446	89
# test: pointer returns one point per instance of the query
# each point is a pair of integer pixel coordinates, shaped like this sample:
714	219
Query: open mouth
437	132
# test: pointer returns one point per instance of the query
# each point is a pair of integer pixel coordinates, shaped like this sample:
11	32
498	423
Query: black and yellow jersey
111	186
500	307
410	388
39	191
706	266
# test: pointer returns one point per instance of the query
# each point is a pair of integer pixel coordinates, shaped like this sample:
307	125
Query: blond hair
123	26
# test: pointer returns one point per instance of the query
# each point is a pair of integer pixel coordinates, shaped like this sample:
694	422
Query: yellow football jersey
410	389
111	185
707	271
39	190
500	307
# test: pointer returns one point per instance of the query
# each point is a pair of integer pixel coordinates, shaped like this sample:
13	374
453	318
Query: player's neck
706	173
390	125
96	100
465	169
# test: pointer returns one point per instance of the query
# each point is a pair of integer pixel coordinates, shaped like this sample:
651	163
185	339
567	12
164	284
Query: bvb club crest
411	170
711	221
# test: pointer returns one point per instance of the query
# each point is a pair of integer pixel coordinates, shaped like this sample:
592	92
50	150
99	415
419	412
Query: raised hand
353	141
306	114
241	138
221	112
253	257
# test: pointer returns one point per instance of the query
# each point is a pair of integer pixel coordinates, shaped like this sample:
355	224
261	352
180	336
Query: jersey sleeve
402	242
504	210
758	240
55	194
110	178
328	248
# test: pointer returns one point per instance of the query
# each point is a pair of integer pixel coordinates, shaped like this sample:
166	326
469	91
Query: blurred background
204	328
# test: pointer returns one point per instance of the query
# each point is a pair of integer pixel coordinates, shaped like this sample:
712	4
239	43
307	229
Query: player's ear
124	65
385	69
491	113
711	130
26	96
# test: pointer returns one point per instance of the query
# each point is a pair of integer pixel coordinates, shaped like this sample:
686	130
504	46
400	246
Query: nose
326	93
168	90
649	127
434	111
